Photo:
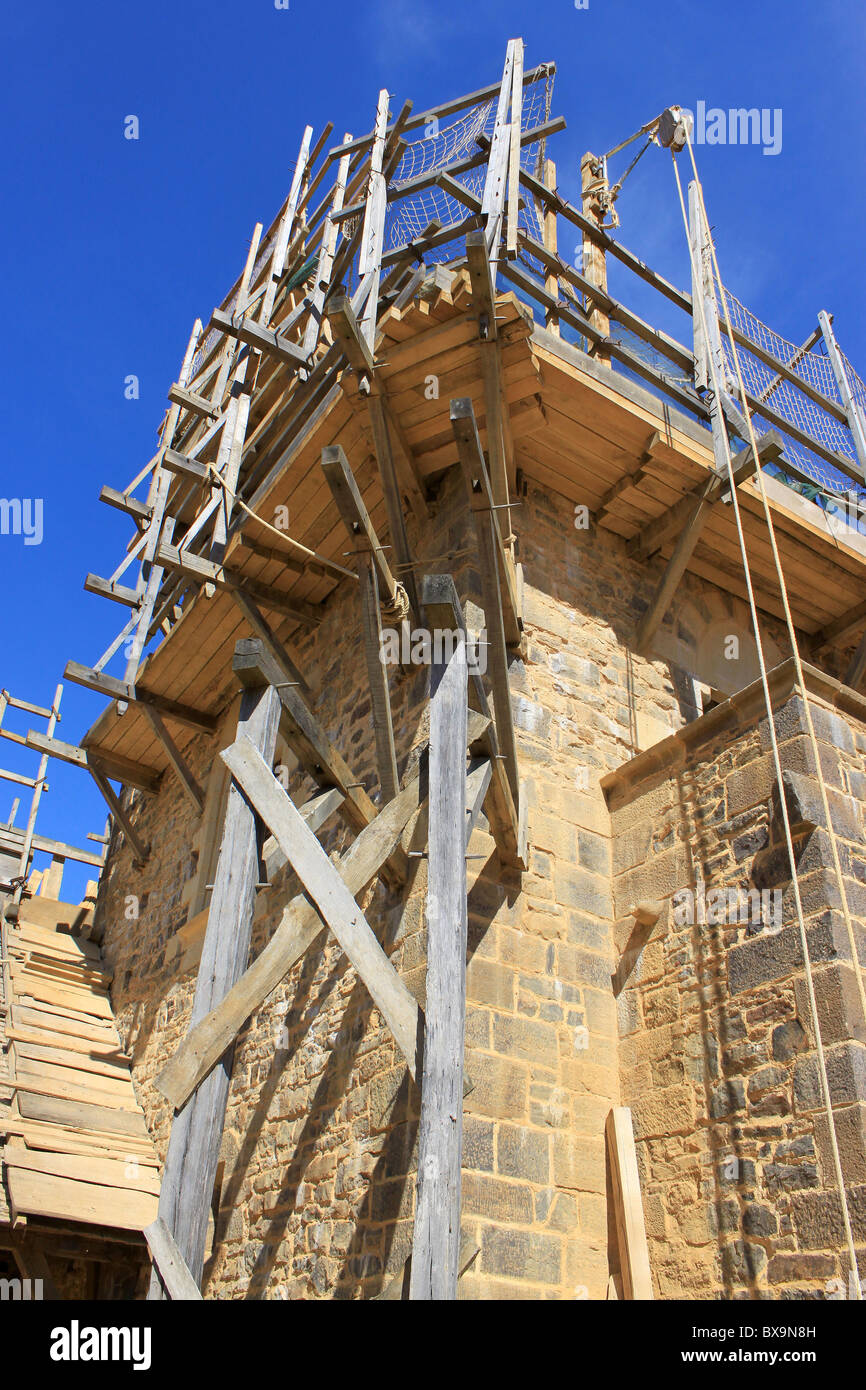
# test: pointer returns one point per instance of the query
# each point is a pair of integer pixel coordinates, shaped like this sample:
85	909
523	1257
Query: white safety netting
815	369
444	143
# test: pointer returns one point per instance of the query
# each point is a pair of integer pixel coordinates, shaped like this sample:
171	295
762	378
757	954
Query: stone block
478	1144
668	1111
579	1163
525	1255
523	1153
577	888
488	982
846	1074
509	1202
501	1088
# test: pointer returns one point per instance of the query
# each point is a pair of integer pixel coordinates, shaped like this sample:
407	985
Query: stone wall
316	1194
717	1040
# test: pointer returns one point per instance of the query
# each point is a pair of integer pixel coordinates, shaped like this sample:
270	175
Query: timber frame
315	339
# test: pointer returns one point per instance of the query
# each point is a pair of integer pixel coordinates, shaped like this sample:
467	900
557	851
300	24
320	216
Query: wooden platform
75	1147
580	430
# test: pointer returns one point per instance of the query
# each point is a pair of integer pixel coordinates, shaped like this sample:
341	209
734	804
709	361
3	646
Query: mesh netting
442	145
813	367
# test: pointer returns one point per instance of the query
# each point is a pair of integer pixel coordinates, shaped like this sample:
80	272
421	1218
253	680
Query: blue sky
112	247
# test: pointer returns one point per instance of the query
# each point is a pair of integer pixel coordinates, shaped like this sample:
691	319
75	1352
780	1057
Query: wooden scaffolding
450	205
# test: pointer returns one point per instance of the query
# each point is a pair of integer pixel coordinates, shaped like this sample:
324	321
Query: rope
393	610
305	550
813	1005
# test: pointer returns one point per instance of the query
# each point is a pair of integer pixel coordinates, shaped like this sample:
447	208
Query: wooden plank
436	1235
196	1133
42	1194
108	1172
514	151
83	1001
628	1207
146	779
56	1110
492	565
330	893
298	928
189	785
39	1048
211	572
124	691
442	608
308	740
140	849
377	674
170	1264
266	340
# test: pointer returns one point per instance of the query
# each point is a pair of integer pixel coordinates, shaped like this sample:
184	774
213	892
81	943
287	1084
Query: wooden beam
271	643
394	1289
306	737
836	632
196	1133
359	354
106	588
122	769
169	1263
694	510
210	572
513	192
140	850
436	1237
190	400
857	665
263	339
442	608
329	892
315	812
121	690
373	233
191	788
13	840
355	516
299	927
377	674
482	503
712	490
628	1207
495	577
131	506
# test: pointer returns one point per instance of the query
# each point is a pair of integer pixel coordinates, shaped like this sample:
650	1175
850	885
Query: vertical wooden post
856	422
196	1134
150	576
594	261
551	283
436	1237
383	726
372	239
628	1208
